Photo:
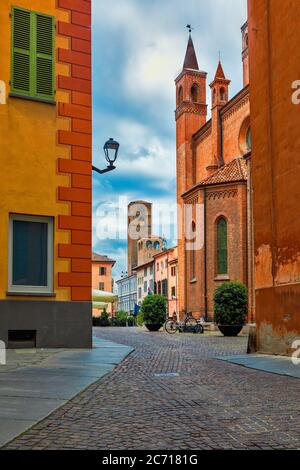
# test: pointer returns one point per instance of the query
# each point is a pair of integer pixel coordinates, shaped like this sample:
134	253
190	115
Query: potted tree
104	318
153	311
231	307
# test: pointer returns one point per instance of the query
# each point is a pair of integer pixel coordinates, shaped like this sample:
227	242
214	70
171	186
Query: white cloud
139	47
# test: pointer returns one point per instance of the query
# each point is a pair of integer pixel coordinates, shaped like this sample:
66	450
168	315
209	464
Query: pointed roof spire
220	72
190	61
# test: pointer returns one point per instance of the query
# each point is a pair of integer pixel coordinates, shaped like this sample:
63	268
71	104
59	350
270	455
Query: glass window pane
30	253
222	247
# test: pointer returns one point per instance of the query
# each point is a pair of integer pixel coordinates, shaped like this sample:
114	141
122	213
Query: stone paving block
172	391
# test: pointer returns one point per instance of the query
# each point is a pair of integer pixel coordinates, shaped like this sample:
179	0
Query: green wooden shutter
21	53
33	55
44	29
222	257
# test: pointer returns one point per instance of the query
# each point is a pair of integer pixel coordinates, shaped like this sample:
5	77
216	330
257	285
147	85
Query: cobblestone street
172	393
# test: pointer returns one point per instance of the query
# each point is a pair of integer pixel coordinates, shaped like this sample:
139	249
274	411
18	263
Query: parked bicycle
189	325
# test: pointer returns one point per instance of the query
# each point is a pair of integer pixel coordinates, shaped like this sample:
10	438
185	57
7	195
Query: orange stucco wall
36	154
274	66
105	278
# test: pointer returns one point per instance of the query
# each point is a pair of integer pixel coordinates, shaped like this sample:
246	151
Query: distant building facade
127	293
102	278
173	300
145	280
212	184
166	278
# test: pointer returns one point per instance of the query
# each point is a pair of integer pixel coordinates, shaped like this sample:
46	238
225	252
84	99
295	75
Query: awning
102	296
101	305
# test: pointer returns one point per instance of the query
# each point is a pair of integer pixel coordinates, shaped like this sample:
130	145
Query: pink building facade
166	280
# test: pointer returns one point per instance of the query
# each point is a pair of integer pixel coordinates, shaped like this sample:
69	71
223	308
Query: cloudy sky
138	50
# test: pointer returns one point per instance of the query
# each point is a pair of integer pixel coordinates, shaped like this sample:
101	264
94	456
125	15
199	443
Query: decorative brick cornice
191	73
221	194
192	108
237	102
192	199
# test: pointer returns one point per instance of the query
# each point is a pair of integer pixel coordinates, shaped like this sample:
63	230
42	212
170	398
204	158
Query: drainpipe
205	261
168	309
220	137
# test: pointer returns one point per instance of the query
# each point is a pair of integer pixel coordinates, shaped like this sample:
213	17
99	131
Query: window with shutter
32	71
222	255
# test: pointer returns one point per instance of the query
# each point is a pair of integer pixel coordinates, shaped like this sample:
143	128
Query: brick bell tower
219	97
191	112
245	54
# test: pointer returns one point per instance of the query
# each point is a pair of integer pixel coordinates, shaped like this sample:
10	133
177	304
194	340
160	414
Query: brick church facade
213	184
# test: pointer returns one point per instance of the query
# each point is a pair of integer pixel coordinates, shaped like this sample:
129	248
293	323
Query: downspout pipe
220	137
205	260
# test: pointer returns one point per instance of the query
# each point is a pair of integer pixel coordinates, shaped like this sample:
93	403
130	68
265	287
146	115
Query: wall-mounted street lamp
111	148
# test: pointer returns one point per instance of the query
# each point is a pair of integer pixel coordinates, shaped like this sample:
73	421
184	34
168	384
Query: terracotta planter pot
230	330
154	326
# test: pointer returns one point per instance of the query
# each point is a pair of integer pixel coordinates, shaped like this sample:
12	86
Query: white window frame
50	255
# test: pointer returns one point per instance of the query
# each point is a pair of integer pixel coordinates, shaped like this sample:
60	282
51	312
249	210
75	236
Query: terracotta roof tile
220	72
236	170
103	258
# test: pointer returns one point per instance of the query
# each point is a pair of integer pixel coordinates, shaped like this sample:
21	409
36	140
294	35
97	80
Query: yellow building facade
45	159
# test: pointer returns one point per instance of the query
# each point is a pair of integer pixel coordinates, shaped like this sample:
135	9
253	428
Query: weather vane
189	28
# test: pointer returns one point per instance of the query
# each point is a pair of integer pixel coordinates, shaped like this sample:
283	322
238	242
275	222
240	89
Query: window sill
30	294
193	281
32	98
222	277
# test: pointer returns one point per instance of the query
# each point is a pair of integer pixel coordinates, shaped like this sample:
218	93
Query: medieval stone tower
139	226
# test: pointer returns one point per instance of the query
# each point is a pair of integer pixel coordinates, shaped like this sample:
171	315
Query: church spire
190	61
220	72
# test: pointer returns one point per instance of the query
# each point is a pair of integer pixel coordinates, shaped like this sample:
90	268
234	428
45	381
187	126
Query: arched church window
245	136
246	40
192	254
214	95
222	250
148	244
194	93
180	96
249	139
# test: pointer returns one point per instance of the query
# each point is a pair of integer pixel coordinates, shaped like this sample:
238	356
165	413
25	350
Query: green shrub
104	315
154	309
121	318
140	319
231	304
103	320
130	320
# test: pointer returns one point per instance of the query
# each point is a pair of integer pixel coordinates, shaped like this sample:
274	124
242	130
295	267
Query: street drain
167	374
